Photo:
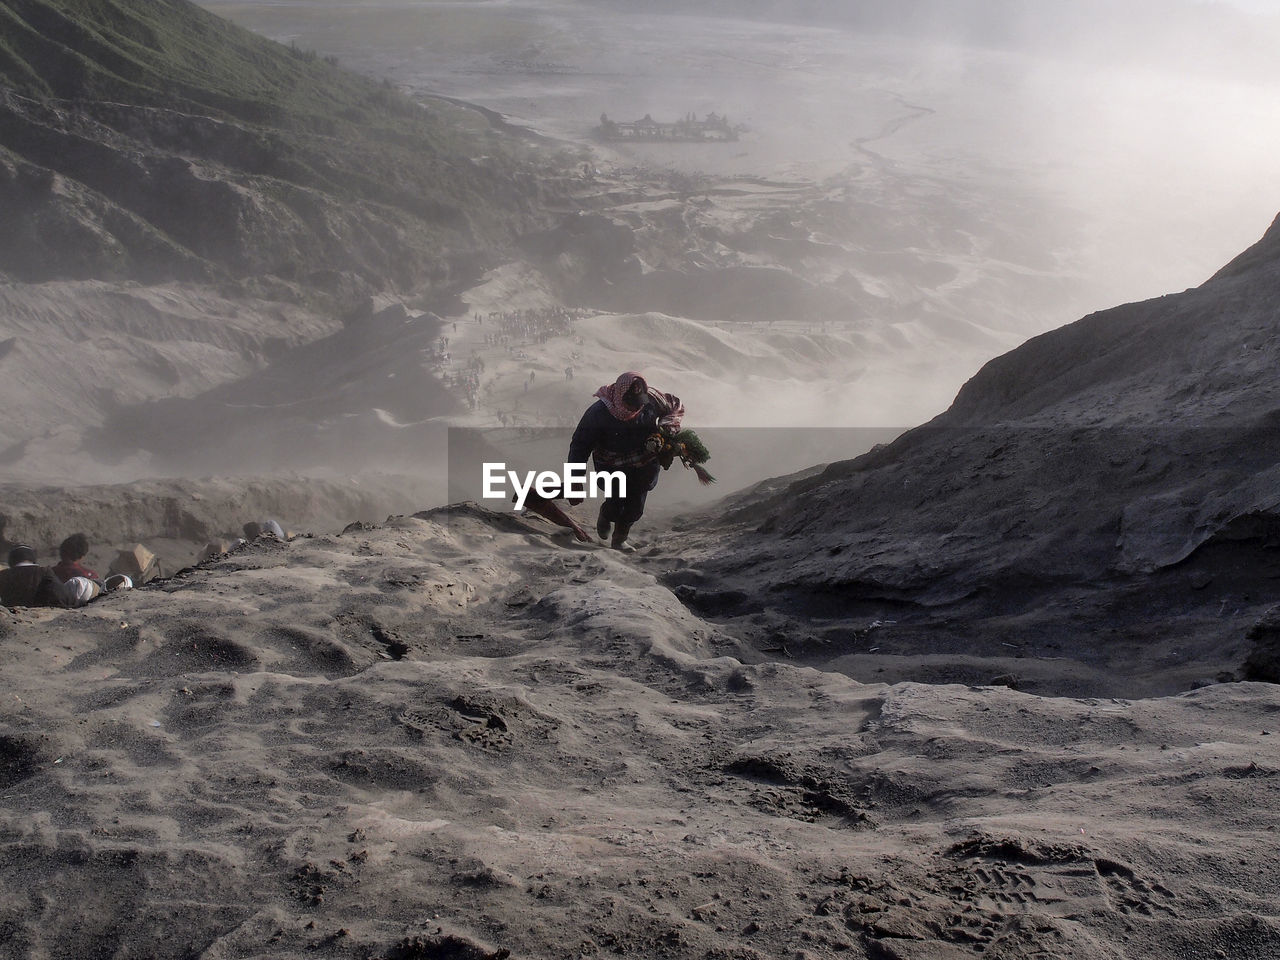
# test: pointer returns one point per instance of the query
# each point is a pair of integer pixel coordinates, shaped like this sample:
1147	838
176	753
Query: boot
620	537
602	524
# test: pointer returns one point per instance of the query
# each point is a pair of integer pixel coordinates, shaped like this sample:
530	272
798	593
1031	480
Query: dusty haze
976	173
1135	139
914	191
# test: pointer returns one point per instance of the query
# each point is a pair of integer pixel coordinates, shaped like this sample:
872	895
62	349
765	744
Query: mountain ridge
1100	345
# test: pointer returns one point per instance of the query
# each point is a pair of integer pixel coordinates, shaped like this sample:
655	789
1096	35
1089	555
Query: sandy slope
450	736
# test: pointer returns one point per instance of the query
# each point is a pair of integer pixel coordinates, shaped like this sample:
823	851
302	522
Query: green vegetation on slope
171	53
151	139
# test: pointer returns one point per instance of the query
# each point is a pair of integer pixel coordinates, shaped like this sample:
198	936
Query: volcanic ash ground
457	735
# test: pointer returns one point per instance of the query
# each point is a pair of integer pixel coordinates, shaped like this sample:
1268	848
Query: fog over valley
1126	144
938	183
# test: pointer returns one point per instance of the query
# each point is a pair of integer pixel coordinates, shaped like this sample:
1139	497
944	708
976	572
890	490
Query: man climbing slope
618	432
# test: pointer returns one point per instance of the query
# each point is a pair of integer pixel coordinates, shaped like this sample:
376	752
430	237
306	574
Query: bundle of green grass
692	452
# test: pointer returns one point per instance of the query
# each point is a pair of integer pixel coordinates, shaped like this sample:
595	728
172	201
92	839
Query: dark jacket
600	433
29	585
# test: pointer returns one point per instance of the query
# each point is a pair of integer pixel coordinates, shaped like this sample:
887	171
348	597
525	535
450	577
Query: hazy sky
1258	6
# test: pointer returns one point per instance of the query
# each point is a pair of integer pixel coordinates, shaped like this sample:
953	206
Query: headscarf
670	409
612	394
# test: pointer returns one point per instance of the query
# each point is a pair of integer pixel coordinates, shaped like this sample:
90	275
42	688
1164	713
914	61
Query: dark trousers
629	509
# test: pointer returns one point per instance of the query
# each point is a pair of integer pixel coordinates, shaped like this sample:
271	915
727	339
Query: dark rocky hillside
1107	492
151	140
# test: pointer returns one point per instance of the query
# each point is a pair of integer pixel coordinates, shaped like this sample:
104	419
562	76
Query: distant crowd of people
512	330
72	583
467	381
529	326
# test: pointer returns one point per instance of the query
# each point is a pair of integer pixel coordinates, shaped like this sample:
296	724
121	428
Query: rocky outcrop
1117	444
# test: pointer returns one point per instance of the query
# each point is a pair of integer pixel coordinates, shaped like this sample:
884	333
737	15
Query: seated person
72	550
27	584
